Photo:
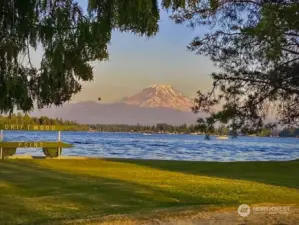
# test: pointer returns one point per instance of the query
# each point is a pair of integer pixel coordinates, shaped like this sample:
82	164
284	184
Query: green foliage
8	152
255	44
223	130
70	36
289	132
51	152
264	132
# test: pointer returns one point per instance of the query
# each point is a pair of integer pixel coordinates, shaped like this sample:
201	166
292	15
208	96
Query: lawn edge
164	215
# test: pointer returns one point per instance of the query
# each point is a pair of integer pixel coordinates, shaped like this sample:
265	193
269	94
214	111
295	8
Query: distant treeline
185	129
289	132
158	128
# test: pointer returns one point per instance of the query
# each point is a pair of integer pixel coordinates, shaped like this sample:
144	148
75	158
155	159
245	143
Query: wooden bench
50	149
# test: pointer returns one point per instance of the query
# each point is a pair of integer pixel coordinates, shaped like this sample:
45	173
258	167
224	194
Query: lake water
164	146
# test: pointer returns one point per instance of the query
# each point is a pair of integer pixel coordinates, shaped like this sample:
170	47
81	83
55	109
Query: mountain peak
160	95
165	86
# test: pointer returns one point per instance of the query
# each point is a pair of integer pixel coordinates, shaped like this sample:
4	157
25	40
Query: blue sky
137	62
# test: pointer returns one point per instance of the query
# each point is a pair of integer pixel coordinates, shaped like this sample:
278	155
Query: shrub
51	152
8	152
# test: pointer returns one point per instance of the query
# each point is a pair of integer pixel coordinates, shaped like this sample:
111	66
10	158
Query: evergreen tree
255	45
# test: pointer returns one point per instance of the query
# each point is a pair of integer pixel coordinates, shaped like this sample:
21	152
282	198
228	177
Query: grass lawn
40	191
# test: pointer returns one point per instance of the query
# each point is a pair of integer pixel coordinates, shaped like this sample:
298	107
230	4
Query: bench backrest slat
31	144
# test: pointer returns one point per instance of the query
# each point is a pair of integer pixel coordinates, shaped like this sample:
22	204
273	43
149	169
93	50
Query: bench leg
1	153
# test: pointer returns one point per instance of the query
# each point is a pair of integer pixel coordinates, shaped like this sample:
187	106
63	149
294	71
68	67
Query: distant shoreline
167	133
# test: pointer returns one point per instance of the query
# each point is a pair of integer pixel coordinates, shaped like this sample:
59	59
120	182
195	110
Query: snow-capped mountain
117	113
155	104
160	95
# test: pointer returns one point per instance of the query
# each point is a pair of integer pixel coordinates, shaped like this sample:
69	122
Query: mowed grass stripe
38	191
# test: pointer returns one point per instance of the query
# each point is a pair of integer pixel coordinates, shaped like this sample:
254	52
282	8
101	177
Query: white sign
244	210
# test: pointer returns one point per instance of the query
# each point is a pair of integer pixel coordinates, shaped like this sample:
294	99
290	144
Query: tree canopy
255	44
70	36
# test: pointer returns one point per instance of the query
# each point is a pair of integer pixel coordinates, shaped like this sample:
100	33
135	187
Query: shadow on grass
280	173
31	194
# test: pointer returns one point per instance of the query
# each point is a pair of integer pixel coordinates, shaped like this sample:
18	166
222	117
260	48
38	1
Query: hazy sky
136	63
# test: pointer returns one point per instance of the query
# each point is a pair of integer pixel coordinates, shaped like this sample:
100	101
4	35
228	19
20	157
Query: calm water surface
164	146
